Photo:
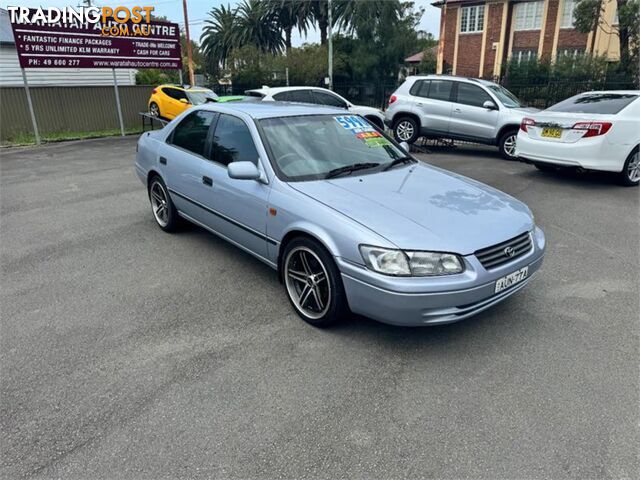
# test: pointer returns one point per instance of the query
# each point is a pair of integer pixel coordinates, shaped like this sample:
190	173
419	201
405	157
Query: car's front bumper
412	302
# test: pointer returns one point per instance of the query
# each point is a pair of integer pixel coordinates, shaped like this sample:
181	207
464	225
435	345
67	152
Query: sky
198	9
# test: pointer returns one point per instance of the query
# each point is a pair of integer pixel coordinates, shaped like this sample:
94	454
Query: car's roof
186	88
274	90
608	92
258	110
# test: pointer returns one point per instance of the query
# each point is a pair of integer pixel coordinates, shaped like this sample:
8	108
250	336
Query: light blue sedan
351	222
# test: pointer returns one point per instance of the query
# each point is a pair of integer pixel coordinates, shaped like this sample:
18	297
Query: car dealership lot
127	352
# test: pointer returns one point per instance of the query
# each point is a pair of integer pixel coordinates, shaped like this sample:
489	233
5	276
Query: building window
472	19
529	15
524	55
567	14
571	52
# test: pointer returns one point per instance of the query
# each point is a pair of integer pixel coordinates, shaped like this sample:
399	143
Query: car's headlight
408	263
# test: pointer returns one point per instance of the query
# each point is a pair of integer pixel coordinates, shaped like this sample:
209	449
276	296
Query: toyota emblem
509	251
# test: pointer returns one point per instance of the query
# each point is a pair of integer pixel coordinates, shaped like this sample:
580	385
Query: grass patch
22	139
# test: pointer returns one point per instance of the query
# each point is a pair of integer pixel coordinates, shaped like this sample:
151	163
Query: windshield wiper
398	161
350	168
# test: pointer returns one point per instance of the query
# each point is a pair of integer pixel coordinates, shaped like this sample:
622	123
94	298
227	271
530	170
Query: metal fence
74	109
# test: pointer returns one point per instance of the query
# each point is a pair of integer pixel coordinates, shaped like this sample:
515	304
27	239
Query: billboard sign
94	38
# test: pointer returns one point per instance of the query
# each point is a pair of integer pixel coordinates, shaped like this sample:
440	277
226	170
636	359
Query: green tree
290	15
588	16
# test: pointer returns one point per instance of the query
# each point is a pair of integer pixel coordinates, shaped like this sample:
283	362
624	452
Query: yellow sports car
169	101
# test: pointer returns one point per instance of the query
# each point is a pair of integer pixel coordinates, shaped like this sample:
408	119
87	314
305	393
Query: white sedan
591	131
317	96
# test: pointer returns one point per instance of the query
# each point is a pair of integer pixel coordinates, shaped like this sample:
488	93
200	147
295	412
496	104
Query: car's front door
469	118
237	208
432	99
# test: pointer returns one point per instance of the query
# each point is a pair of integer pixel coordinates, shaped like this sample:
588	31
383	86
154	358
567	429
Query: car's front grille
492	257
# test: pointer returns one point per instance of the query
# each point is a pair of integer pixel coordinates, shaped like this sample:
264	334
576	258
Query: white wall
10	74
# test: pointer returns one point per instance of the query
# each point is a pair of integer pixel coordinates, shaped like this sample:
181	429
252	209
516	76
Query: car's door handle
207	181
163	160
457	110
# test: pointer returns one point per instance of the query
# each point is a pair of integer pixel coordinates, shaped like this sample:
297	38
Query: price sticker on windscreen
354	124
373	139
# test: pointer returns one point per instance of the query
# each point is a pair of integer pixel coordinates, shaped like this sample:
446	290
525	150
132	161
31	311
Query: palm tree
219	35
257	25
290	14
358	17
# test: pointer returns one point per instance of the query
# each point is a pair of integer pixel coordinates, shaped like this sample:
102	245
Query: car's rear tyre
313	283
163	209
406	129
507	144
630	174
154	109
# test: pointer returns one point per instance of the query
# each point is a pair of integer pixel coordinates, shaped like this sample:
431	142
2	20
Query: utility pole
330	40
192	79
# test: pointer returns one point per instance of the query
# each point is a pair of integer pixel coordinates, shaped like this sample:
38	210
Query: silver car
350	221
457	108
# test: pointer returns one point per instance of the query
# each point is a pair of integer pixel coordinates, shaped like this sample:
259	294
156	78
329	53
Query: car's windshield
507	98
199	97
603	103
315	146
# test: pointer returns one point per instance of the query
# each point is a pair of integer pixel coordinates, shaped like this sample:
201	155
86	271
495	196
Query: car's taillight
527	122
392	99
154	91
593	129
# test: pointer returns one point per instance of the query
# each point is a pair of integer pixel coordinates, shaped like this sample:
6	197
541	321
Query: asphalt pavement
130	353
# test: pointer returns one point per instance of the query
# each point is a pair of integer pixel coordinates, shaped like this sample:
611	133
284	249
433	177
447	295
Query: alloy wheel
154	110
307	282
404	130
633	169
159	204
510	145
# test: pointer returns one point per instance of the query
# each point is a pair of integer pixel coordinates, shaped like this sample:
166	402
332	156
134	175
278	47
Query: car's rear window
602	103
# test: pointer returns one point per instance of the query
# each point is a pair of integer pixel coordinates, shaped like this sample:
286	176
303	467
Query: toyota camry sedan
347	217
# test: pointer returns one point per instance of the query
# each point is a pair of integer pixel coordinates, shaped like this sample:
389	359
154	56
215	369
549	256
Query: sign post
30	103
115	86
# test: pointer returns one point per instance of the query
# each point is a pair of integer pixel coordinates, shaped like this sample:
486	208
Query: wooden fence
74	109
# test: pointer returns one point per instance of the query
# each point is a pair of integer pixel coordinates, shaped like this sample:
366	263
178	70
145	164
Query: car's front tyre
163	209
154	109
313	283
406	129
630	175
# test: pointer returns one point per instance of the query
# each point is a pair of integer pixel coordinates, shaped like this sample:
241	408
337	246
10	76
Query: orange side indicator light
272	212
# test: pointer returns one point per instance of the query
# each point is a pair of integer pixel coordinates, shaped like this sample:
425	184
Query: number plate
511	279
552	132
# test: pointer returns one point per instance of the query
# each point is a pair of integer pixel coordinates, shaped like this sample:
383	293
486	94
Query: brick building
477	38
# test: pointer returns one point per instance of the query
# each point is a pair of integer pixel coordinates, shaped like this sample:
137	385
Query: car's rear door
238	208
469	119
181	159
432	99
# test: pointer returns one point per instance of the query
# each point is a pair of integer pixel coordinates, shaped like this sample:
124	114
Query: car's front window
198	98
507	98
314	147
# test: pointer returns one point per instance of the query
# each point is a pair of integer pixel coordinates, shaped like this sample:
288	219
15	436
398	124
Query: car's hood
424	208
524	110
362	110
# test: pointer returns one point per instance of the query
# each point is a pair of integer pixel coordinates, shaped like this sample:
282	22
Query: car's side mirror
243	171
489	105
405	146
184	100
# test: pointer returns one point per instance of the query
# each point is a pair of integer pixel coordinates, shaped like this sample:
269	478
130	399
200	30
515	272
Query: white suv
457	108
317	96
